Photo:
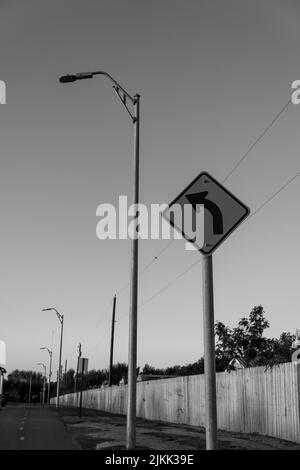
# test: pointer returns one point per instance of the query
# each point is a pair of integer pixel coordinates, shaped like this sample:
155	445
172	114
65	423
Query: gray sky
212	75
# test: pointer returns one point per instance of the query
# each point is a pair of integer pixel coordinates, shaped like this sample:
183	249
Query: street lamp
50	373
132	352
44	380
61	320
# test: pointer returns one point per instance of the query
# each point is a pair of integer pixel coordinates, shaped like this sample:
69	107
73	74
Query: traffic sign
83	365
223	212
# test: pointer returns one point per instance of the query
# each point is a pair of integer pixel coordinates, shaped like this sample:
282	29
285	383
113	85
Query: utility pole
76	375
61	321
50	373
134	114
65	377
112	342
44	389
81	390
44	381
30	385
209	353
83	368
133	314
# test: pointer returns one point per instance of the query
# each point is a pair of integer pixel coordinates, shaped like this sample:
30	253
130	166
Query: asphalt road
32	428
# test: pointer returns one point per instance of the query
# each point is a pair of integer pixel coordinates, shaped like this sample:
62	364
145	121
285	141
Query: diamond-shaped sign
222	213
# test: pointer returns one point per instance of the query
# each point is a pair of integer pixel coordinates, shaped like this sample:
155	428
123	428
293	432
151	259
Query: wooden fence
254	400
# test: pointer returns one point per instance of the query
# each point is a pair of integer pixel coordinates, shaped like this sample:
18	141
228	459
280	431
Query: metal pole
65	378
209	353
132	351
81	389
44	387
76	374
50	373
112	342
59	365
30	385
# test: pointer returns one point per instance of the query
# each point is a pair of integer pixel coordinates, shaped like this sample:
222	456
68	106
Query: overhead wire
164	249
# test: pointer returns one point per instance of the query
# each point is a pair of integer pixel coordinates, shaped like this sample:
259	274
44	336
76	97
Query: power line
102	319
259	138
147	266
273	196
170	283
198	261
263	133
244	156
118	292
189	268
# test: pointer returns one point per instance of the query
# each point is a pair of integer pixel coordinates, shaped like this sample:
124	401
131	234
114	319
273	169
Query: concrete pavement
32	428
104	431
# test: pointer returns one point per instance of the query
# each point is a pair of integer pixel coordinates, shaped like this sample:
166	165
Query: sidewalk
97	430
24	427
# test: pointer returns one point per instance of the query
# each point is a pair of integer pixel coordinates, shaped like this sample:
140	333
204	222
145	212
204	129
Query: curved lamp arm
121	92
59	316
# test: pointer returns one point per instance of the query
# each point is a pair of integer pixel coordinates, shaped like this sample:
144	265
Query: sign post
113	321
83	368
223	212
209	353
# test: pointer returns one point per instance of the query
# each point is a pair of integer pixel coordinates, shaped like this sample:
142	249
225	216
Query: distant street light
44	380
50	373
132	353
61	320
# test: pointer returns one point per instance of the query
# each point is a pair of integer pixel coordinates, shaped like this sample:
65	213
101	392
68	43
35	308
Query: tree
246	342
16	387
188	369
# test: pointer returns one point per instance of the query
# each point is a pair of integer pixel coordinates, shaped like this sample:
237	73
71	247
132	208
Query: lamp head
68	78
77	76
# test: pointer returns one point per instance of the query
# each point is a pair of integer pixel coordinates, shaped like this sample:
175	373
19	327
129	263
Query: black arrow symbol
199	198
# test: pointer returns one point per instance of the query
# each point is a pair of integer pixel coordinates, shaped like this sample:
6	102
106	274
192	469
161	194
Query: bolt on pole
209	353
132	350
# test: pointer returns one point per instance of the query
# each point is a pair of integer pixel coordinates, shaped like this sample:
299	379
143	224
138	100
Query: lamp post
134	114
61	320
50	373
44	380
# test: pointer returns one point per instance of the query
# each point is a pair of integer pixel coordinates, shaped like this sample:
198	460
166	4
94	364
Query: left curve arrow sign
199	198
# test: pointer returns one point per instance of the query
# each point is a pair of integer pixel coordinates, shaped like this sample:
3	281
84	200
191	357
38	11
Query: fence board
259	400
